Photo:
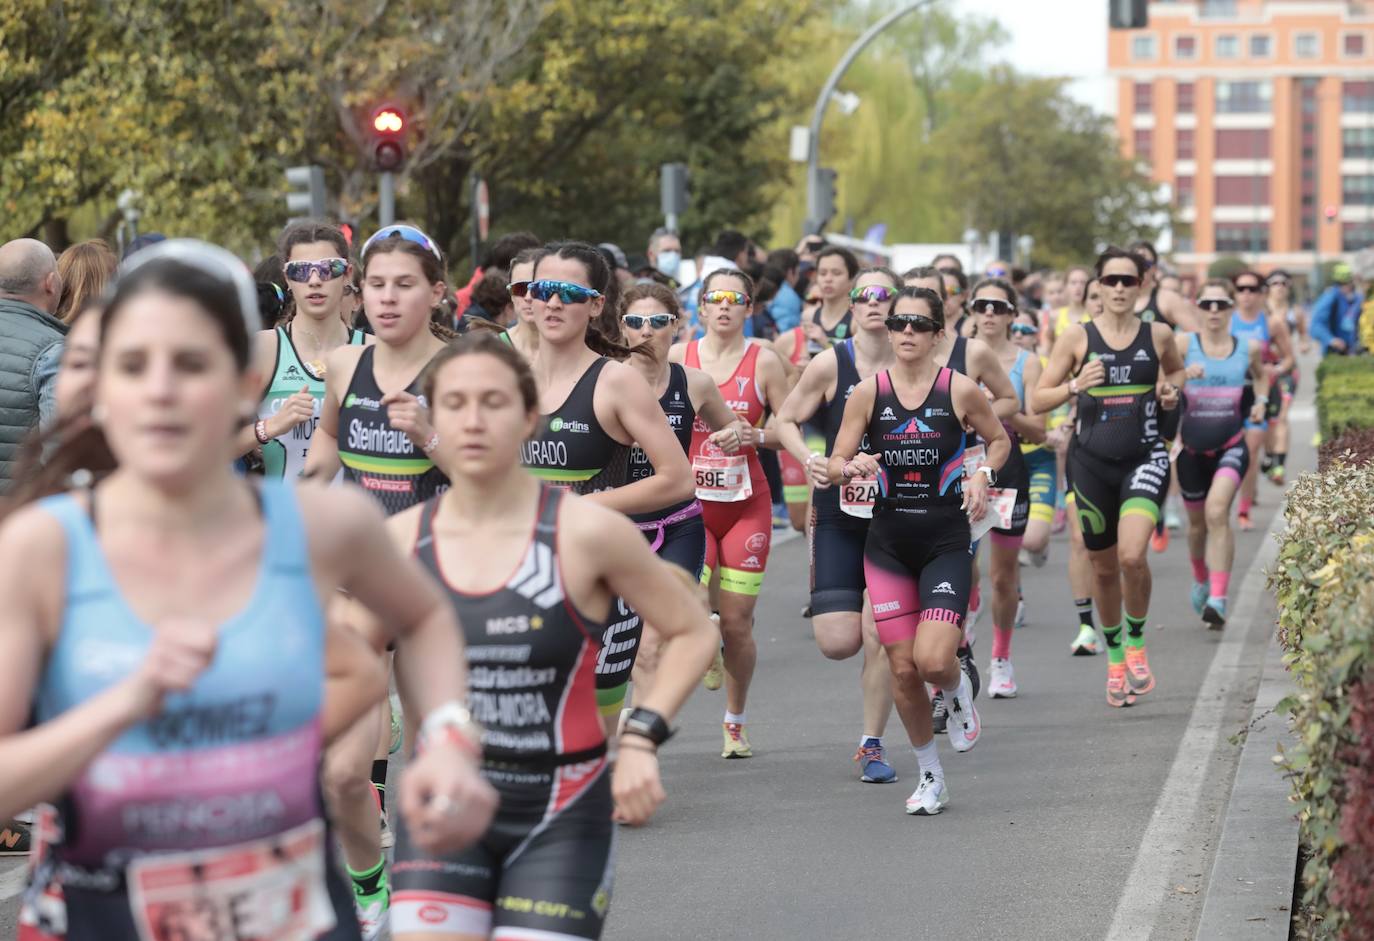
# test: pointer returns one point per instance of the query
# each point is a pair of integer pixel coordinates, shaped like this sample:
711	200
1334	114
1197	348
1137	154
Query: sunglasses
992	305
327	268
725	297
1023	329
410	234
657	321
997	272
1216	303
898	323
1249	288
566	291
949	270
1119	280
874	292
518	288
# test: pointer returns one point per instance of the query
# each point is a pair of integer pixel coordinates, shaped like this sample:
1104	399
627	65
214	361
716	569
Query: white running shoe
1171	518
1002	684
930	797
965	728
1019	621
372	920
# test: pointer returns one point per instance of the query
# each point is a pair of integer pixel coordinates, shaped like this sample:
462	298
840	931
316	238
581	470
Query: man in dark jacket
30	344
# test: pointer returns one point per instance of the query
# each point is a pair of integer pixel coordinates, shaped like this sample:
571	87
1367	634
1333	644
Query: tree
1227	266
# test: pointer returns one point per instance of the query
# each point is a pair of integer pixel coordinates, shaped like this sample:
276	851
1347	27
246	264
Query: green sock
1115	652
371	885
1135	631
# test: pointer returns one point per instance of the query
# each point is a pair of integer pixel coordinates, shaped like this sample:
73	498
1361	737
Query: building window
1357	143
1183	143
1184	92
1261	45
1218	9
1185	47
1242	191
1144	97
1142	142
1357	97
1183	192
1242	144
1243	237
1357	190
1307	46
1143	48
1352	45
1356	236
1228	47
1244	97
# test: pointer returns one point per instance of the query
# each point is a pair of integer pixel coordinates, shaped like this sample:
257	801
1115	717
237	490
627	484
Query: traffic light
1128	14
388	138
823	184
673	188
305	195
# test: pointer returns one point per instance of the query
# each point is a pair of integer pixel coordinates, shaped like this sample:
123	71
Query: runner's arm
803	402
1282	340
707	402
355	677
1053	389
972	408
1258	374
322	461
1170	361
857	411
1029	423
985	368
636	410
1181	312
265	362
773	382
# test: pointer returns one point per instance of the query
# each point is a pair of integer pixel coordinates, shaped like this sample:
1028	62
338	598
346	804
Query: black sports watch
647	724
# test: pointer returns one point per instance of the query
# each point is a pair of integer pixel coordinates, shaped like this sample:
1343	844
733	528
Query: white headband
212	260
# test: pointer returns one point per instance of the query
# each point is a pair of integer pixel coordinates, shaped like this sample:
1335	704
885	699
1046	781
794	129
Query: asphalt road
1048	812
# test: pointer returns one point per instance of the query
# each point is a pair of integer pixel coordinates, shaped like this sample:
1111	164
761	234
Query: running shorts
616	660
917	569
1197	469
738	537
1043	472
1107	491
1169	420
542	870
794	488
1288	384
1019	478
837	561
1276	399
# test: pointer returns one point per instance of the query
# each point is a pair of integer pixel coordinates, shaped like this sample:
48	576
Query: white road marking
12	882
1171	824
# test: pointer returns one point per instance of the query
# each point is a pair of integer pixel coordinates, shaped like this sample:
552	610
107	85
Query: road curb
1250	890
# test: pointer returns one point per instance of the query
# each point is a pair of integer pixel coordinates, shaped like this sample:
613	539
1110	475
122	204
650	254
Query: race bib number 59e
723	479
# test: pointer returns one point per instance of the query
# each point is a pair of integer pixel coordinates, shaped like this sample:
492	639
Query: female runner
677	532
1224	372
1278	299
737	507
1250	321
841	620
148	644
524	336
533	574
292	356
594	409
916	555
994	307
1041	471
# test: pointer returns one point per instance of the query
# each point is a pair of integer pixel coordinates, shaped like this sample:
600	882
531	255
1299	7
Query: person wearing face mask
665	255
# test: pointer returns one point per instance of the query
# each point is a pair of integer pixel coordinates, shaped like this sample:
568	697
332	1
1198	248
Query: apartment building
1259	114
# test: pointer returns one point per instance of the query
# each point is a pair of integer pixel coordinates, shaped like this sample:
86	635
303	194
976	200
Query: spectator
620	265
1336	314
271	290
84	269
31	339
945	260
784	269
665	254
490	301
496	258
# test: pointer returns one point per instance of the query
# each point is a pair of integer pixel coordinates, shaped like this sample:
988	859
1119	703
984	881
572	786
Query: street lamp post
813	210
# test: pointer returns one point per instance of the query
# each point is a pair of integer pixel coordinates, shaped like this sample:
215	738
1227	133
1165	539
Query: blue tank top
235	758
1243	330
1018	378
1215	404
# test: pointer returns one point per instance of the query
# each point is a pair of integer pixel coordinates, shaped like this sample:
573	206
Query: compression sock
1245	504
1115	652
1135	631
1280	458
1085	611
379	773
928	758
1221	584
1199	571
1267	463
371	885
1001	643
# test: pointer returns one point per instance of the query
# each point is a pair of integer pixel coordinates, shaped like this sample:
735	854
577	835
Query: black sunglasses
518	288
1249	288
1119	280
1216	303
985	305
898	323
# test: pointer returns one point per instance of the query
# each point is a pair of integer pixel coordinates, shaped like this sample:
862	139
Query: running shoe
974	613
1085	644
1159	541
1243	522
965	728
1038	559
1171	521
1214	613
373	917
1023	558
1118	690
1200	591
388	837
1002	684
965	654
939	715
806	611
736	742
15	838
873	766
1138	671
930	797
1019	621
715	674
1276	475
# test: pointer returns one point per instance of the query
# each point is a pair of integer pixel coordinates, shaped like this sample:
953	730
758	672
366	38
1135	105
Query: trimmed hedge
1345	394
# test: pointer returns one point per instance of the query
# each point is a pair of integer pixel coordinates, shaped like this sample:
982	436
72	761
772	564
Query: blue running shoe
1200	591
1214	613
873	766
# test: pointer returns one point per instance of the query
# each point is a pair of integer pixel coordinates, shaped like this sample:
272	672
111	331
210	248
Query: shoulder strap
799	346
692	356
357	337
546	524
285	548
884	382
944	381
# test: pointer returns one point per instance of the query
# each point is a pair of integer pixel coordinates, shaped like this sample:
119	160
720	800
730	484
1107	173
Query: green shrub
1345	394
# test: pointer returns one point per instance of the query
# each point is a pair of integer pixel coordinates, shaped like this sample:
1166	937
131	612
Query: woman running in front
736	505
594	410
533	574
166	634
1227	379
292	356
994	308
916	559
676	533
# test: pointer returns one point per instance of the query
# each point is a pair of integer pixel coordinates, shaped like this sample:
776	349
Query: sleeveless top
531	655
1119	420
572	449
1150	312
285	456
377	457
922	448
843	329
677	406
1215	404
846	378
233	759
741	393
958	355
1258	329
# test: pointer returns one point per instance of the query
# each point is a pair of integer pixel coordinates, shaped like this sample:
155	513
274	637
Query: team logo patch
887	415
741	383
1142	355
757	542
944	588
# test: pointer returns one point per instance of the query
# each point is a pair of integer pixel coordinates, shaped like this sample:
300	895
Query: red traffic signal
388	137
388	121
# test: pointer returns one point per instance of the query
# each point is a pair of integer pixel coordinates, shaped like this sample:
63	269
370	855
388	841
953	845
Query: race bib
857	497
723	479
266	890
1001	506
975	456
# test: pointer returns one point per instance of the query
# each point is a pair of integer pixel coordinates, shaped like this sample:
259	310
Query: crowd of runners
276	530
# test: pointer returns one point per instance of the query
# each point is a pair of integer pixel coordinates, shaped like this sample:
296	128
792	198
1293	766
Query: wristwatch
991	474
647	724
452	722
